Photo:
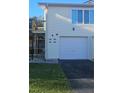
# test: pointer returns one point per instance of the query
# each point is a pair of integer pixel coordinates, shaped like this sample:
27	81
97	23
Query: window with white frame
77	16
86	16
82	16
91	14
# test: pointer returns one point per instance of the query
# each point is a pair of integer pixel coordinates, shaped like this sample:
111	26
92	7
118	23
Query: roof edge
65	4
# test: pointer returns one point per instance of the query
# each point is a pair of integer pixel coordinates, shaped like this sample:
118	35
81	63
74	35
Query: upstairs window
86	16
77	16
91	16
82	16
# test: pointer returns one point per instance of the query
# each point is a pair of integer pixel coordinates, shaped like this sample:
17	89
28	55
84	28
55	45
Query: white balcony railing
39	30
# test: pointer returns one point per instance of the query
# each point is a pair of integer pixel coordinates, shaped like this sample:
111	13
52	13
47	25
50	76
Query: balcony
38	27
39	30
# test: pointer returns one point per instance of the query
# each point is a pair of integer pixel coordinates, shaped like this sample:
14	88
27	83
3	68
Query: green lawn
47	78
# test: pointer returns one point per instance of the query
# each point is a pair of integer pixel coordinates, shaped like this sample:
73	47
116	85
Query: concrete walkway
80	74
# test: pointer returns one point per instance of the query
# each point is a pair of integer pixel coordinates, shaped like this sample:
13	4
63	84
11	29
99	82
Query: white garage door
73	48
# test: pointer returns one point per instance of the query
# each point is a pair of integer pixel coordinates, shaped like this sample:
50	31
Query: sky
34	10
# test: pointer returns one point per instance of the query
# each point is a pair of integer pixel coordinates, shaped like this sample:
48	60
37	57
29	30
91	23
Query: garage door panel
73	48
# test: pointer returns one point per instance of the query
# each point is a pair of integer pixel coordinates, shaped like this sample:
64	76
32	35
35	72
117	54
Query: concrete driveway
80	74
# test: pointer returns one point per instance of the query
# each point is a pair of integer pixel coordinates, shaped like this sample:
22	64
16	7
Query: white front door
73	48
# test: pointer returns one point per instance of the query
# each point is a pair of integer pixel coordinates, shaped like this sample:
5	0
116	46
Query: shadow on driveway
80	74
78	69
